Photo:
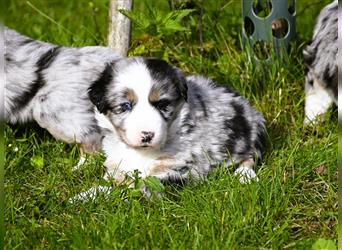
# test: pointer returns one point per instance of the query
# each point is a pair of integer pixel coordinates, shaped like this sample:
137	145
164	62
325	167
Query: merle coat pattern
204	124
49	84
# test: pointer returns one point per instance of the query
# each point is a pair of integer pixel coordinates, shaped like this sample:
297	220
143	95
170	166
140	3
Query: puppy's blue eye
126	106
122	108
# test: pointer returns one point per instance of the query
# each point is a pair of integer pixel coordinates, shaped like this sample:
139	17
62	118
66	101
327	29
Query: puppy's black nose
146	136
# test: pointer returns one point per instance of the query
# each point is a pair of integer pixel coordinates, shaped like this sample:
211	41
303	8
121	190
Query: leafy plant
156	23
136	187
156	28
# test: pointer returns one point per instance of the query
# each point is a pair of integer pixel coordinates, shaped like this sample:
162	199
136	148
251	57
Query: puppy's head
141	97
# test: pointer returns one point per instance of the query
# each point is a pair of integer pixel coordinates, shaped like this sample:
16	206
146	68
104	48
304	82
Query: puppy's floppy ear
161	70
181	84
98	89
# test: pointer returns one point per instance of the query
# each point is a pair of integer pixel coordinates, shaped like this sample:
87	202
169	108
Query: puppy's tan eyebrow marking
130	95
155	95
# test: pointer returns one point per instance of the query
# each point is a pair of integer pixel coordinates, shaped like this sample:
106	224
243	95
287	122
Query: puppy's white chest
122	158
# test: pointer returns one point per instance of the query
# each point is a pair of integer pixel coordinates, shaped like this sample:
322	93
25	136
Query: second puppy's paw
246	175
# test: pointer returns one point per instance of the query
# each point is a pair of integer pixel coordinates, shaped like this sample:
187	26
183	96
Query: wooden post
119	32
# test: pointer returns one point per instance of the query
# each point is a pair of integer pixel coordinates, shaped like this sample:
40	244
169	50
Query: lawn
292	206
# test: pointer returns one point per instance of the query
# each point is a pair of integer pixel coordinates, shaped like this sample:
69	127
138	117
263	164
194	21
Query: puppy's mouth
146	146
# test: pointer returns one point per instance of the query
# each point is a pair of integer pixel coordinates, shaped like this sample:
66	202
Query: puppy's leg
85	149
245	171
317	101
169	168
82	160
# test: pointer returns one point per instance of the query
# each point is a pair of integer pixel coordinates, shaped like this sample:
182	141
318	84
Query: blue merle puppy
320	58
163	124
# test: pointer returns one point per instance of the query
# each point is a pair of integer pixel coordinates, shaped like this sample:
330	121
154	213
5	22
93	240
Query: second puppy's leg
317	101
246	172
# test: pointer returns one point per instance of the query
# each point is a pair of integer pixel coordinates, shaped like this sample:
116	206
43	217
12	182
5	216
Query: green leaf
154	184
103	182
139	50
135	193
323	244
180	14
138	183
37	161
141	21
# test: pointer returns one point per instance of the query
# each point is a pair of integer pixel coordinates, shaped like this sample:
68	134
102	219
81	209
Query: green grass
291	207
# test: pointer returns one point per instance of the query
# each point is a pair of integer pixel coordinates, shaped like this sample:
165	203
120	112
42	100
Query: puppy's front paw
167	164
246	174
